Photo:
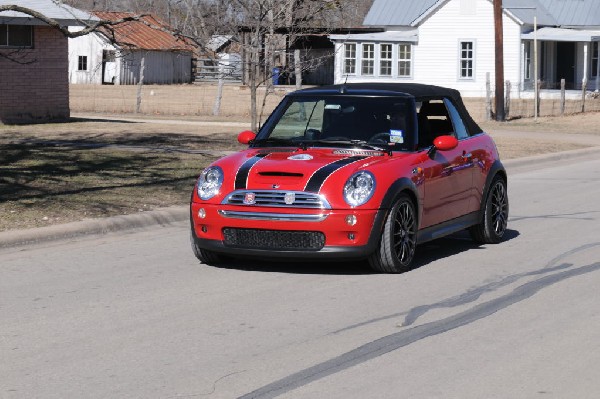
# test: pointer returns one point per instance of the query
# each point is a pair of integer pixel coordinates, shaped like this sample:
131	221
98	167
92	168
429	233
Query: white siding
160	67
436	55
91	46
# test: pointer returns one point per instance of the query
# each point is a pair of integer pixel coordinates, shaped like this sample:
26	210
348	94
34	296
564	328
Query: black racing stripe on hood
318	178
241	178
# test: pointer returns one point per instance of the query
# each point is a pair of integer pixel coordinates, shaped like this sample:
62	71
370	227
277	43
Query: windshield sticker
396	136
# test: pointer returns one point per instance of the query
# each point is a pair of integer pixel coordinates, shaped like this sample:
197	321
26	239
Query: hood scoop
280	174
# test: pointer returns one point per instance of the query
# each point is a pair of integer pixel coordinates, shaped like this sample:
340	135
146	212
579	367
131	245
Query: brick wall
34	83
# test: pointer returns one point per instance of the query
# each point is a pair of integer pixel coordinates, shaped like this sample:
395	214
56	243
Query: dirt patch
57	173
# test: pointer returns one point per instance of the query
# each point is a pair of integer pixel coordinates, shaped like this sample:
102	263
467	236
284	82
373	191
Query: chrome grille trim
275	199
288	217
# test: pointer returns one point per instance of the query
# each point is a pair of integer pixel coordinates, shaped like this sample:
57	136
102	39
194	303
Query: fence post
538	98
583	90
488	97
297	69
217	106
562	97
507	100
138	105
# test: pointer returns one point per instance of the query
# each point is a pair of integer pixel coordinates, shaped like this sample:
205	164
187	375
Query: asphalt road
135	316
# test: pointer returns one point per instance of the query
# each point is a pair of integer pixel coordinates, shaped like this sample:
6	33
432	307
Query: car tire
205	256
494	217
398	240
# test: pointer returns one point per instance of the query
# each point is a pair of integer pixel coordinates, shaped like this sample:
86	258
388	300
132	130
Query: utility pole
499	40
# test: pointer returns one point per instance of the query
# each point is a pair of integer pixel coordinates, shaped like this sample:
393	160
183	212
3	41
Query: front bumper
342	241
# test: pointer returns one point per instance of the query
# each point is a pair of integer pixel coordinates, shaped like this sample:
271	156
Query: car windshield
385	123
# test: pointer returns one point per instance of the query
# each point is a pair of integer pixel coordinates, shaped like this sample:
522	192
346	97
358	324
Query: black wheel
207	257
495	215
398	240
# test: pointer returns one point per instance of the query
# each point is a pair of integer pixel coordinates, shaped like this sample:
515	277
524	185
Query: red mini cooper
353	171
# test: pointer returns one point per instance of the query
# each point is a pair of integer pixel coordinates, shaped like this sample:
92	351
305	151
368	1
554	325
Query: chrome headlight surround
209	182
359	188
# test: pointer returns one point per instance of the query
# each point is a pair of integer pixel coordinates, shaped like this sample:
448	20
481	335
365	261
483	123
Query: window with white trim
385	59
368	59
350	58
82	63
404	59
527	60
595	51
16	36
467	60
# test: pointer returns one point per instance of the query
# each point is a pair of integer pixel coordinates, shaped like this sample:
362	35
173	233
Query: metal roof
565	13
64	14
392	36
142	35
563	35
397	12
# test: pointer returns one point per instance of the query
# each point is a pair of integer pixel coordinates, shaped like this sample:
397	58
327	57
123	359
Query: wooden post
507	100
488	97
583	91
562	97
138	106
217	106
298	69
499	52
538	98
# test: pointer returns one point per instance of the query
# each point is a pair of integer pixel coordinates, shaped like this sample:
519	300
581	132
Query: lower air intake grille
274	239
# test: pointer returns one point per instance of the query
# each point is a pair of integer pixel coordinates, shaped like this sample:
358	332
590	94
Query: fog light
351	236
201	213
204	229
351	220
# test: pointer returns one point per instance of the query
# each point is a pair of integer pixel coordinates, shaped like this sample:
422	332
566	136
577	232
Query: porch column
585	63
597	66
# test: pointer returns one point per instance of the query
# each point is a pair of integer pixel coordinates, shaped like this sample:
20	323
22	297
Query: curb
94	227
168	216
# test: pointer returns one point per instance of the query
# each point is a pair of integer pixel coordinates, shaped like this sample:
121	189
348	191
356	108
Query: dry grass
57	173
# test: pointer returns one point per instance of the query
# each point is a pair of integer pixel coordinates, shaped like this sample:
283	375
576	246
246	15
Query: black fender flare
397	188
496	169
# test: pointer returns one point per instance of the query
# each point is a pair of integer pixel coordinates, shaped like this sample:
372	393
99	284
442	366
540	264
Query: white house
114	54
451	43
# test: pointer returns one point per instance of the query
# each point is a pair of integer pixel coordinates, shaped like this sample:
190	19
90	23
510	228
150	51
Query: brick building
34	64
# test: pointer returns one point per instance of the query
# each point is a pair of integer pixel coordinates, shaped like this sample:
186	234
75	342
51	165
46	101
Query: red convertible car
353	171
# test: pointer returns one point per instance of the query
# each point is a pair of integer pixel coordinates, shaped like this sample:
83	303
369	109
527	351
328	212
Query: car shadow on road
426	253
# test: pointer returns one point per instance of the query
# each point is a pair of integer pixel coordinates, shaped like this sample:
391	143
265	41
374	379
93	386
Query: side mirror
246	136
445	143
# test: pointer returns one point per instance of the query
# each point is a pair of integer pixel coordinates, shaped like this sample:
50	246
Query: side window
459	127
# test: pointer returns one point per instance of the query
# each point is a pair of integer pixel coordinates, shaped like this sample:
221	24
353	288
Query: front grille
274	239
275	198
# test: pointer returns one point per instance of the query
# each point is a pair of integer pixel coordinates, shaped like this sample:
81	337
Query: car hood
295	169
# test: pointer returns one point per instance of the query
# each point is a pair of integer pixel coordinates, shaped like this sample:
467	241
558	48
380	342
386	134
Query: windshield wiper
274	140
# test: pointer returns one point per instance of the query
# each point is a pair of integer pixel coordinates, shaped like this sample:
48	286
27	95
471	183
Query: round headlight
209	182
359	188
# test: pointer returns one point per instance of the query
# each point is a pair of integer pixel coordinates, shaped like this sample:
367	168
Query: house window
16	35
527	61
385	60
82	63
466	59
368	59
350	58
404	59
595	52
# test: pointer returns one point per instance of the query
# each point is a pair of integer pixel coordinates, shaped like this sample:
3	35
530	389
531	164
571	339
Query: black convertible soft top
421	92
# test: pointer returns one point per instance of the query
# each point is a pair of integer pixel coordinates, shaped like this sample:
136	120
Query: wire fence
199	100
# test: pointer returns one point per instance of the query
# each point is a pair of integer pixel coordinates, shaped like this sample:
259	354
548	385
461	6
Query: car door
448	178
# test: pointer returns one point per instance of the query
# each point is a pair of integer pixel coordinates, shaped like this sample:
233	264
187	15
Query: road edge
175	214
